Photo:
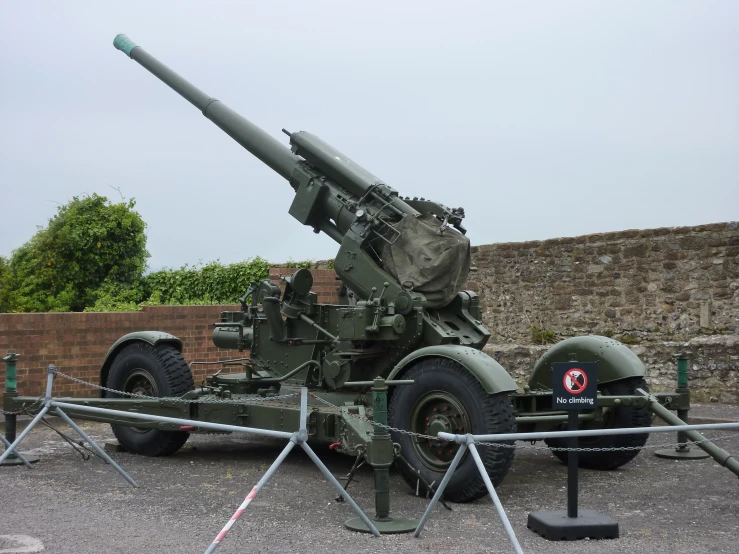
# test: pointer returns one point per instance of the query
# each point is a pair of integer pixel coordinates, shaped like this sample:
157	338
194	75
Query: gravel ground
73	506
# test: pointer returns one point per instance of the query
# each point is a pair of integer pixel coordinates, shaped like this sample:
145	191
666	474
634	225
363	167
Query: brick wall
77	342
324	282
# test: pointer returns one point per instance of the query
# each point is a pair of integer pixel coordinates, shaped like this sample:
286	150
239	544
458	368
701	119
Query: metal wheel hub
435	412
140	381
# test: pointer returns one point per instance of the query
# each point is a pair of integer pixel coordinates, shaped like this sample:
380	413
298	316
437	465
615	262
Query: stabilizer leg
719	454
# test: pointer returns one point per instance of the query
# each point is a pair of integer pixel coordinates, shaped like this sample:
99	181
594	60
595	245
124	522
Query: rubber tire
488	413
172	377
623	417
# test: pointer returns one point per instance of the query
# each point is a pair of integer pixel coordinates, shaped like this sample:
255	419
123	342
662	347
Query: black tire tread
629	417
500	411
498	414
179	380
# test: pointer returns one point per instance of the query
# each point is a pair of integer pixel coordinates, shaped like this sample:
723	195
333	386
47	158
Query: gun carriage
405	262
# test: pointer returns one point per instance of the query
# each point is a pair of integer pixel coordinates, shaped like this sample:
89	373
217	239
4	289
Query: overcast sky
541	119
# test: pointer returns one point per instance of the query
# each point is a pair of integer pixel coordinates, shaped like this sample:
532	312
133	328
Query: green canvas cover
436	263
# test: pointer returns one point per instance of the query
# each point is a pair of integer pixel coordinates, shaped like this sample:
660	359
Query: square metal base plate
391	526
16	461
674	454
556	526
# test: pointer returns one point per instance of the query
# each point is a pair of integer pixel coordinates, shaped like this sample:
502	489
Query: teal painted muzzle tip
124	44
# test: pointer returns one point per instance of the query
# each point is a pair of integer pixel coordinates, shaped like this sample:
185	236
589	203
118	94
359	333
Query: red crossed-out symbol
575	380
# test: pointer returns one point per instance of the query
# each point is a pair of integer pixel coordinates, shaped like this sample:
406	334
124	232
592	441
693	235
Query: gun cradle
349	343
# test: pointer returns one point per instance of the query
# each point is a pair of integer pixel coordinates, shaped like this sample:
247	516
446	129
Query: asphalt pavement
67	505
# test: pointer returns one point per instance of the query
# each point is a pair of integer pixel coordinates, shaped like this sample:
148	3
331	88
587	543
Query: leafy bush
92	257
3	289
113	298
89	242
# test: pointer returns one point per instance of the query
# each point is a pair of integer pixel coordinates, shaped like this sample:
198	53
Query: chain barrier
524	446
370	422
24	409
171	398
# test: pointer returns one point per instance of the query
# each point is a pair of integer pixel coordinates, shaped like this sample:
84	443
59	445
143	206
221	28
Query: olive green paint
492	376
615	360
11	372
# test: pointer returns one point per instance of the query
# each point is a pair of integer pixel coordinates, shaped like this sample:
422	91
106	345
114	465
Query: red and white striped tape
233	519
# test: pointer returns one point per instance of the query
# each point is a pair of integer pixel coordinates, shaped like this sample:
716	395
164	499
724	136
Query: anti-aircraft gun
409	326
405	262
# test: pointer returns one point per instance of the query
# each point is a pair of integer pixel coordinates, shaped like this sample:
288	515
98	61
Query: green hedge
213	283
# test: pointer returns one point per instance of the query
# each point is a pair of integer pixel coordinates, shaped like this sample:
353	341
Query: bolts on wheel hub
436	412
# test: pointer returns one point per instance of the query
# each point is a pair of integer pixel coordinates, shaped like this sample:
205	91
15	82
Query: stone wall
713	374
661	291
655	285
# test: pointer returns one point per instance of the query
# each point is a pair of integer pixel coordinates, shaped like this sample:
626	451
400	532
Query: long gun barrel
243	131
380	246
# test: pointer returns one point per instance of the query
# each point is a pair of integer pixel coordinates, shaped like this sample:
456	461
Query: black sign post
574	388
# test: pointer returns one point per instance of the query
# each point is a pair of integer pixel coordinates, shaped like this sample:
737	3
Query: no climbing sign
575	385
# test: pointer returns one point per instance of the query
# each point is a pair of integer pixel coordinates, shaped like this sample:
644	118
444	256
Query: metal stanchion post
297	438
682	451
11	391
380	455
468	442
263	481
494	497
47	405
302	441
